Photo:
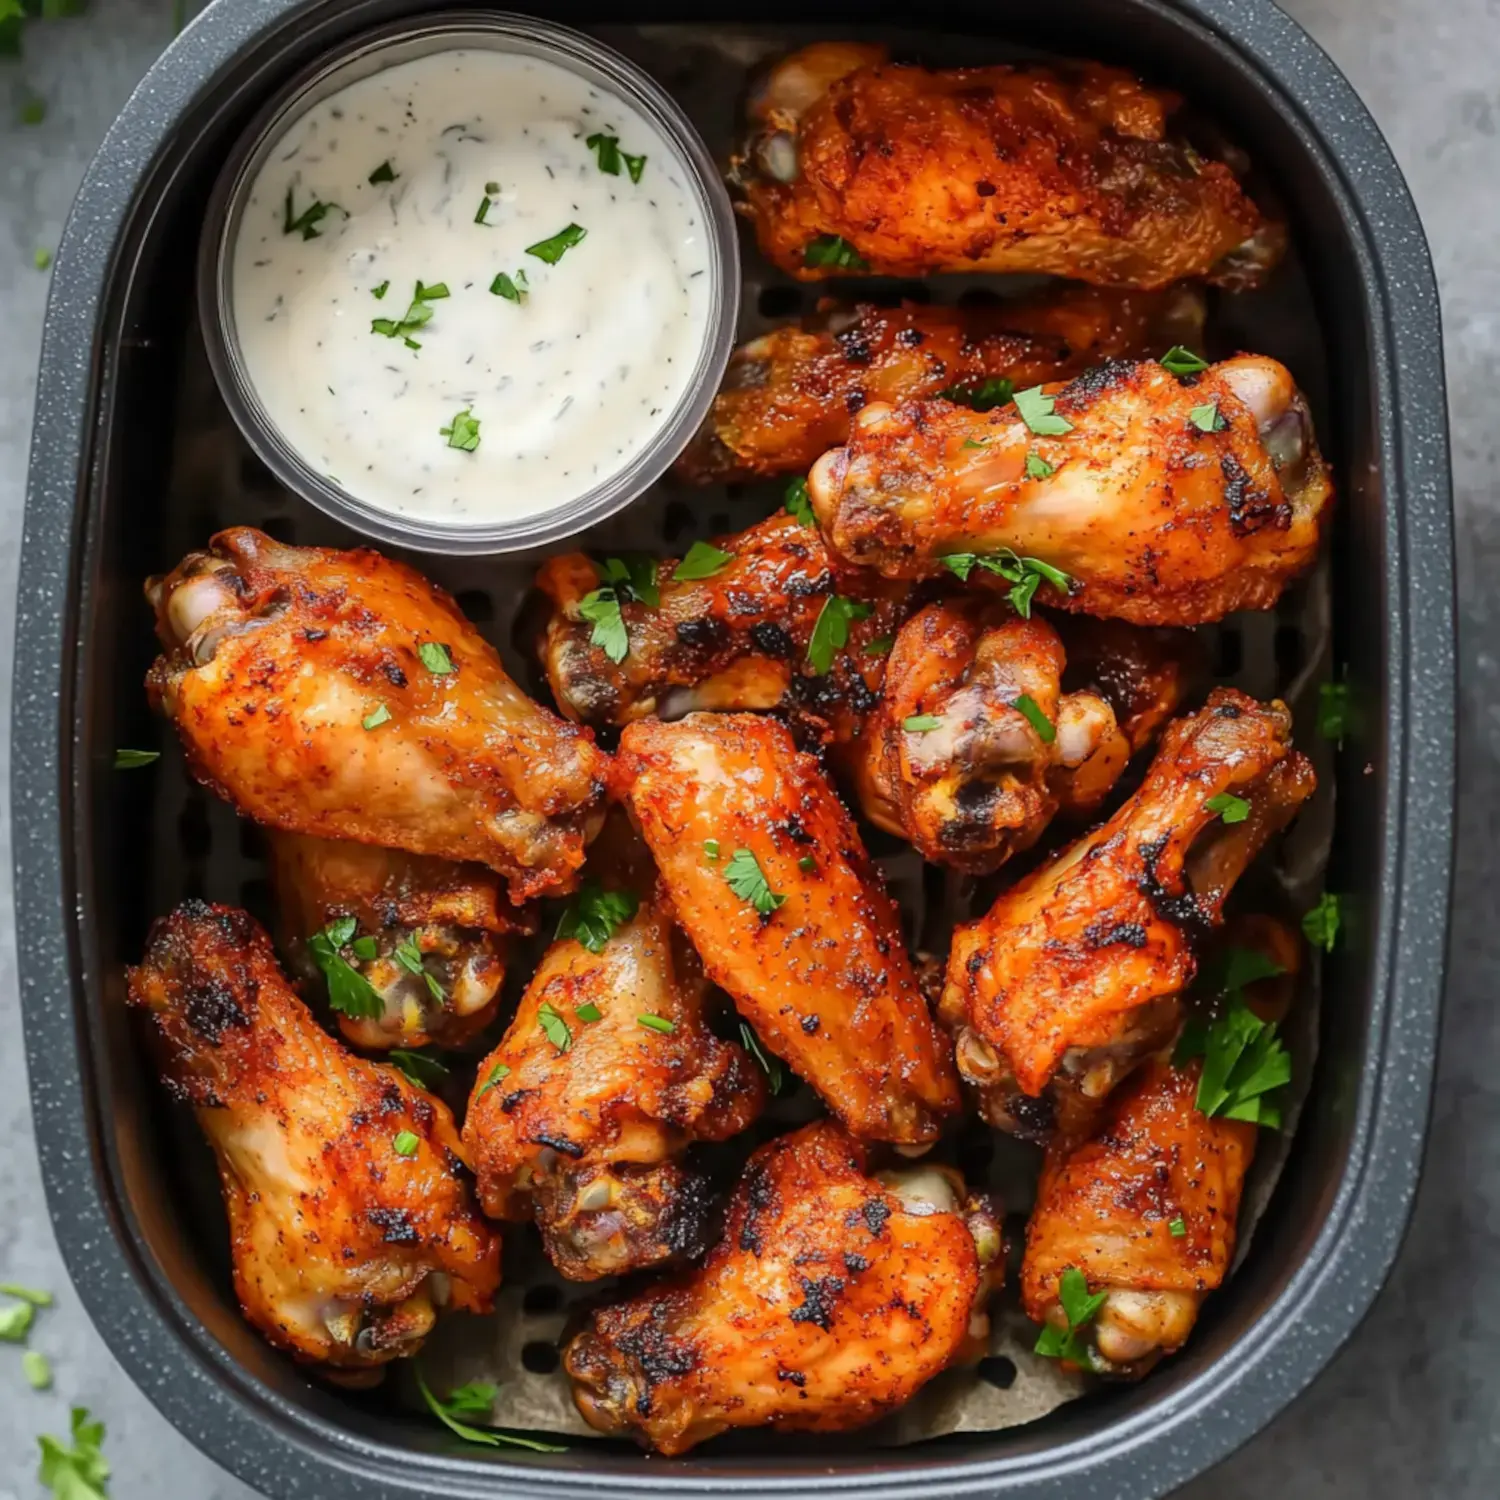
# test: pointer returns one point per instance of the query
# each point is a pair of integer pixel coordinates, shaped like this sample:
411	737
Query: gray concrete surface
1412	1406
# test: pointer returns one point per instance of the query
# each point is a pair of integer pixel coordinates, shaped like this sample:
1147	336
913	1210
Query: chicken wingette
831	1299
789	395
350	1217
855	165
340	694
768	877
1132	492
1077	971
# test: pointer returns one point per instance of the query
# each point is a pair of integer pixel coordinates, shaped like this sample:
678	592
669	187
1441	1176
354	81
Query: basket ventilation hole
477	605
542	1299
539	1358
779	301
999	1371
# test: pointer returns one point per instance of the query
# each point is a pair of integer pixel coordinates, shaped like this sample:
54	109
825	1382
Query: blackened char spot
820	1295
771	640
315	635
212	1008
810	1025
1180	908
655	1353
394	1225
558	1143
1082	391
1104	934
876	1211
854	346
1226	711
792	827
855	1263
394	675
759	1198
792	1377
702	634
1033	1118
910	338
1250	509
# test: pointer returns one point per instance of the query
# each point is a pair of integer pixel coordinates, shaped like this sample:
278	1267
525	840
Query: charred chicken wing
424	939
855	164
1164	501
831	1299
1077	971
340	694
1145	1210
769	879
789	395
350	1220
580	1116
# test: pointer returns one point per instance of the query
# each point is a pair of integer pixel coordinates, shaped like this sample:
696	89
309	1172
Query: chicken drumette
831	1299
1164	500
769	879
1077	971
340	694
351	1222
855	164
789	395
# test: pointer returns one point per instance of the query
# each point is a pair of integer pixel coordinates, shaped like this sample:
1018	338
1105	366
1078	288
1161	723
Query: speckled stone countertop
1412	1406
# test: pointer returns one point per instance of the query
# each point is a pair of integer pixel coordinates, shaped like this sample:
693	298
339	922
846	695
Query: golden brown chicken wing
769	879
350	1219
1145	1210
789	395
742	637
340	694
1165	501
1076	971
831	1299
580	1117
855	164
425	956
973	746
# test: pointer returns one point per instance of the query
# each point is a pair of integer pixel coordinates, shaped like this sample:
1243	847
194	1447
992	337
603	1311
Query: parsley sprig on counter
476	1400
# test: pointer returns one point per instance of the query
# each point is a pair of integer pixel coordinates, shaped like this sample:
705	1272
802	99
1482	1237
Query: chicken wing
1146	1211
1166	500
1076	971
770	881
740	638
789	395
973	746
580	1117
350	1219
340	694
1071	169
831	1299
433	938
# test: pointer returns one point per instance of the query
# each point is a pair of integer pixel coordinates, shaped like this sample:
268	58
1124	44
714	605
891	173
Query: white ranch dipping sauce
565	385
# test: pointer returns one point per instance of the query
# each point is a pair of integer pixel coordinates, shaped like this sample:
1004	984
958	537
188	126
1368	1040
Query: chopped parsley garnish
513	290
552	250
1046	730
415	316
425	1072
623	579
1333	711
1207	418
349	992
34	1295
1234	969
376	717
1179	361
634	165
130	760
379	293
1037	467
835	251
1320	926
1024	574
405	1143
409	956
1244	1061
1177	1228
1079	1309
1035	407
1230	808
607	149
830	632
594	914
976	442
633	575
481	214
588	1011
920	723
383	173
710	848
42	259
467	1400
37	1371
880	646
807	864
434	656
15	1322
79	1471
702	560
985	396
747	880
602	610
555	1028
798	504
657	1023
497	1075
306	223
768	1062
463	432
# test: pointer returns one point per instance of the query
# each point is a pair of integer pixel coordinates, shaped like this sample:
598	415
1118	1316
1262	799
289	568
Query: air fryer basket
134	462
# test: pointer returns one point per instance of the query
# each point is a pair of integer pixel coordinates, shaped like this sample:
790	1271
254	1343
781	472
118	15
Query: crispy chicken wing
1167	501
1071	169
340	694
1107	1208
789	395
769	879
1076	971
831	1300
973	746
580	1117
739	638
350	1218
436	936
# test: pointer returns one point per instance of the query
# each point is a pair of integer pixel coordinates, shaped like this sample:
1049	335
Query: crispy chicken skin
1076	971
588	1139
831	1299
1157	521
344	1245
455	915
275	658
825	977
789	395
738	639
948	760
1071	169
1106	1207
